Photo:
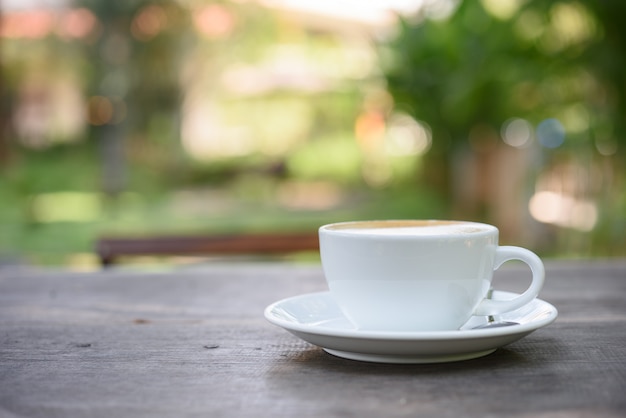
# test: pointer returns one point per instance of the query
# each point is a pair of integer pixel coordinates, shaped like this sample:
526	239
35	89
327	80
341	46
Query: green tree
132	82
537	60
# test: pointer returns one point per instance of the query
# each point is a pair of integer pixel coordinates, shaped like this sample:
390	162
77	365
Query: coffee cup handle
504	254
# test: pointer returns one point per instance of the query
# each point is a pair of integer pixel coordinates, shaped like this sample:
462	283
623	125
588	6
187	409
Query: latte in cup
411	227
416	275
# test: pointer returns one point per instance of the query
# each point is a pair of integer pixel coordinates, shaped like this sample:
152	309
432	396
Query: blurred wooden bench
109	249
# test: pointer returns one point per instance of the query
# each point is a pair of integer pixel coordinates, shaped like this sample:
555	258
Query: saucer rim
320	329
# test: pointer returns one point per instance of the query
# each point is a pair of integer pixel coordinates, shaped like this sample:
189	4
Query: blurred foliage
555	58
275	140
555	67
476	68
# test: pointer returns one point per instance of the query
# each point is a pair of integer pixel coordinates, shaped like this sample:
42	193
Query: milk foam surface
426	229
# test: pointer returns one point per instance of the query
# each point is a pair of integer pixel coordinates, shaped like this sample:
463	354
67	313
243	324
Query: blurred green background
138	117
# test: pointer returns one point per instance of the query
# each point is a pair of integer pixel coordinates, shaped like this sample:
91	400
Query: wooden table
193	342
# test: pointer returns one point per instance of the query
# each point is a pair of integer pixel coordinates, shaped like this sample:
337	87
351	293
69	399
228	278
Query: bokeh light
550	133
517	133
214	21
149	22
406	136
76	23
105	110
562	210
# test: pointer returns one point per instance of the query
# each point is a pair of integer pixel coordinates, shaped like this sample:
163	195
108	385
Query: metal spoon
491	320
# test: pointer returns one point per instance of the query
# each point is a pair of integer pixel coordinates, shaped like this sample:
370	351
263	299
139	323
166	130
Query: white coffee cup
413	275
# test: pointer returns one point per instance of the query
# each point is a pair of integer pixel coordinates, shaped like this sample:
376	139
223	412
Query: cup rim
341	228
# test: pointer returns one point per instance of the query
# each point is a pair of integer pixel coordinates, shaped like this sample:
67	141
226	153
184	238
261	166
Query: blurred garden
143	117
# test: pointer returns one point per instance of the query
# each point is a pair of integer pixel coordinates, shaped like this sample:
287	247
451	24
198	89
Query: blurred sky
372	5
31	4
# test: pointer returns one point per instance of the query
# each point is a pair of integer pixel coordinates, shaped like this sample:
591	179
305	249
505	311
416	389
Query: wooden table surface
193	342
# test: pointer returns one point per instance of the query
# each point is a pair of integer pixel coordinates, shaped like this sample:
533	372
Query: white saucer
316	318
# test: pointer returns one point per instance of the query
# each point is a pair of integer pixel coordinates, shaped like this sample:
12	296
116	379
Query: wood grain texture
193	342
